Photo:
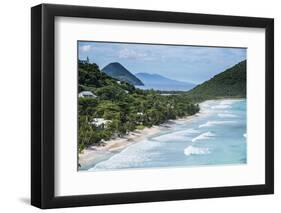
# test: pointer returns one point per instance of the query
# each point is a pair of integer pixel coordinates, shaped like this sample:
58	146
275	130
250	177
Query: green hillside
123	107
230	83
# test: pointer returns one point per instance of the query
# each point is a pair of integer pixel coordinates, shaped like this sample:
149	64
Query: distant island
162	83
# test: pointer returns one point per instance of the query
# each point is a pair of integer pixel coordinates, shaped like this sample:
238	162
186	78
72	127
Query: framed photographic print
139	106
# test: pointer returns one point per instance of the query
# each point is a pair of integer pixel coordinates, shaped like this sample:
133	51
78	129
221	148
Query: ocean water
215	136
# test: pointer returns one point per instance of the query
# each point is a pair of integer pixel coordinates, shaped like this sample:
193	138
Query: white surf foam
132	156
227	115
191	150
221	106
225	104
182	135
230	101
204	136
212	123
206	107
245	136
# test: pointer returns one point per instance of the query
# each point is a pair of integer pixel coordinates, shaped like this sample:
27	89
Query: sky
194	64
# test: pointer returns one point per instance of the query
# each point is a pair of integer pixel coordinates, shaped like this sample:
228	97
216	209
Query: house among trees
86	94
100	122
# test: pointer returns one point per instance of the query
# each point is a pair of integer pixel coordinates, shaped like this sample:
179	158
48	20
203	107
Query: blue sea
215	136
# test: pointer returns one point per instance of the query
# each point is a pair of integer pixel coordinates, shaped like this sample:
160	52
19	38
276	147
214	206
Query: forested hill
92	79
118	71
229	83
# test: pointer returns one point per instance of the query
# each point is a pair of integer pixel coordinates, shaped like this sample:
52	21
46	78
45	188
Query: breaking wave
176	136
191	150
221	106
212	123
227	115
225	104
204	136
133	156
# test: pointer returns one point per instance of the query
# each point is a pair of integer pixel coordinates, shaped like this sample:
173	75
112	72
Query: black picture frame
43	102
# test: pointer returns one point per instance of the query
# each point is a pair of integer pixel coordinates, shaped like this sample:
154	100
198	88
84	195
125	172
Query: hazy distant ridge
159	82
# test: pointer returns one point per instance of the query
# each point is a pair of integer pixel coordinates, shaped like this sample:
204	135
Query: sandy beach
212	111
94	154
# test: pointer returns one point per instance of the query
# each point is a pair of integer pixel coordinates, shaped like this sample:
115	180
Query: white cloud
86	48
130	54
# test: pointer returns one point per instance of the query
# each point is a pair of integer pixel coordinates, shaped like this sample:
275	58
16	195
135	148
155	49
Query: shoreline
97	153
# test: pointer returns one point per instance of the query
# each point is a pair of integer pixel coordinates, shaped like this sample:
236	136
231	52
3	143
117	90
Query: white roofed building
86	94
100	122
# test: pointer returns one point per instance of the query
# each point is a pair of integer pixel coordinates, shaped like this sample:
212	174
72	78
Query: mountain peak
118	71
115	64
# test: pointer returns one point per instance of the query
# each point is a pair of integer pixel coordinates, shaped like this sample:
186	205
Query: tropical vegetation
122	107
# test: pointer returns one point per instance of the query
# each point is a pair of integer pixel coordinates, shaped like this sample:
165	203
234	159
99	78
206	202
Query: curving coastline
191	137
95	154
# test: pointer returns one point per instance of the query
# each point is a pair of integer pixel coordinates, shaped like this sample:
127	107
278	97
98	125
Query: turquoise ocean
215	136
